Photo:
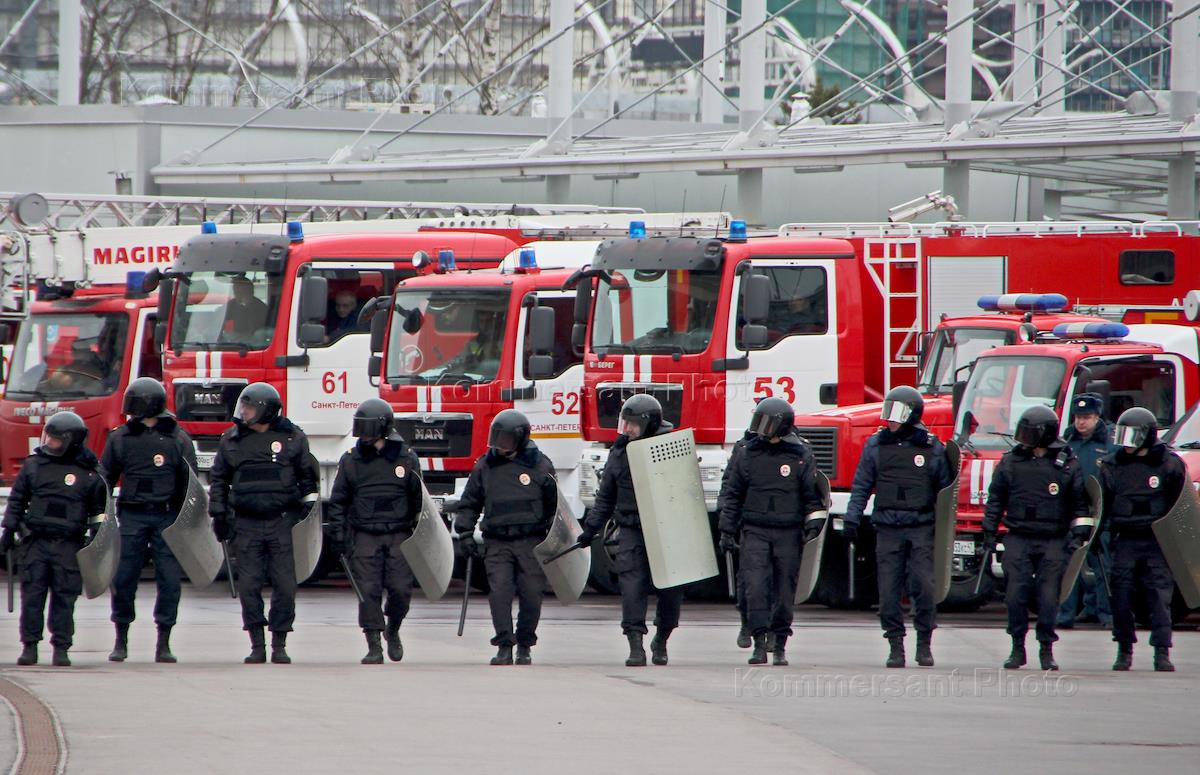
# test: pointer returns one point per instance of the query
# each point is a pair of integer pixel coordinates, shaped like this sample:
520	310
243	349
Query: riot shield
306	543
946	516
98	560
1178	535
568	574
670	499
1077	560
810	557
190	537
429	551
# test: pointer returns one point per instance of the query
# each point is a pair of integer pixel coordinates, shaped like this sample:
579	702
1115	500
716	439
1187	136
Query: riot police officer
1141	482
151	457
905	465
1037	491
262	479
772	499
641	417
1090	438
744	637
376	499
58	497
513	485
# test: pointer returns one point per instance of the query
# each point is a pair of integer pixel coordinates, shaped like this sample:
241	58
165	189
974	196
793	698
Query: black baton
730	576
462	615
852	554
11	564
349	575
229	570
563	553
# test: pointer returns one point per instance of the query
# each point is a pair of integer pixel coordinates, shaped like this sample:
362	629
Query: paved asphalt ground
579	710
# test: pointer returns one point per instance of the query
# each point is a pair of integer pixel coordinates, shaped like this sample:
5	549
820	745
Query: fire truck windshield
655	311
999	392
447	335
1186	433
67	356
954	348
225	311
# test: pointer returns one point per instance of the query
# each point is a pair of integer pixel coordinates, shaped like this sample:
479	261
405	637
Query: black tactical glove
729	543
585	538
989	543
470	546
8	540
222	529
850	532
337	542
812	529
1078	537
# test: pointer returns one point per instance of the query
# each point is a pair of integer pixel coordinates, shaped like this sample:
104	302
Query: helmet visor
370	428
766	425
1029	435
250	412
139	407
53	444
1132	436
895	411
633	427
503	441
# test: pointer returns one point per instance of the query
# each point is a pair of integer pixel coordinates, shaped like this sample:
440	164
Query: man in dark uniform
262	481
1090	438
641	417
513	485
744	637
772	499
373	508
58	497
1037	491
151	457
1141	482
905	465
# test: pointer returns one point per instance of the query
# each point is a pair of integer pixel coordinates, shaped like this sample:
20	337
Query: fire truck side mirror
923	343
375	366
956	397
583	300
310	335
756	298
314	299
378	330
541	330
166	289
753	337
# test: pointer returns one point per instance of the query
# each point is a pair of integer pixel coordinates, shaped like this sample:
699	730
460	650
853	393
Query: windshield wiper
1188	445
456	377
613	348
659	346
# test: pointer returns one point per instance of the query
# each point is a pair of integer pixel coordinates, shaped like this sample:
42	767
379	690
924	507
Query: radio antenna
721	209
683	212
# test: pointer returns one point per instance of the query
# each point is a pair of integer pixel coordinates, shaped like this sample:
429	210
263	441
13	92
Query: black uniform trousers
48	566
1138	562
378	566
904	563
514	571
141	532
263	548
635	583
770	567
1029	562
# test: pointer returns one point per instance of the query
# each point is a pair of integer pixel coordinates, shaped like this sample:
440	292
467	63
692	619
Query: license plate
204	460
965	548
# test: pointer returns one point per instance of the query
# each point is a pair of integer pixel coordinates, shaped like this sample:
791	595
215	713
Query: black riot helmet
1038	427
641	416
372	419
902	404
772	418
509	433
1137	428
145	397
67	428
258	403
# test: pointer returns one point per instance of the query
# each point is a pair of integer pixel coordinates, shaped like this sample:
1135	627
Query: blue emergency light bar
1024	302
1091	330
208	227
295	231
737	231
134	282
446	261
637	230
527	259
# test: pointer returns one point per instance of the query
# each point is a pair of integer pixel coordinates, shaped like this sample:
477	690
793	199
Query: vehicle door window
1147	267
564	355
1124	384
349	290
799	303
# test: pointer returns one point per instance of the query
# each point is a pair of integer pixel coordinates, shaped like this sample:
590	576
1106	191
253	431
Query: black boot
120	650
1046	657
924	651
523	656
759	655
395	649
503	655
28	655
637	654
279	655
896	654
743	638
258	647
1162	660
162	650
60	658
374	648
1016	658
658	646
1124	659
780	651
